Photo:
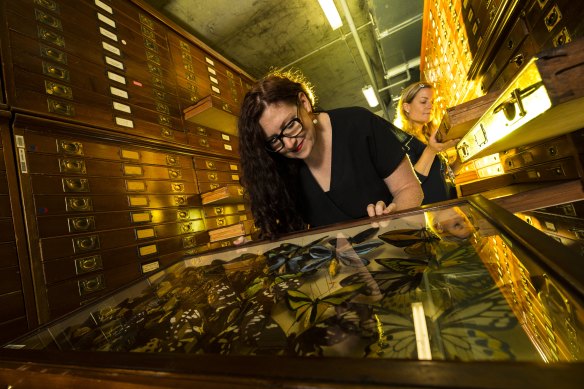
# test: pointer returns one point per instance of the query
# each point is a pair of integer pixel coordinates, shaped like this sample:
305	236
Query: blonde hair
402	121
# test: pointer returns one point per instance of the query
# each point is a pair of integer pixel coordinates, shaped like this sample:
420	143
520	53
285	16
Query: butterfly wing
396	337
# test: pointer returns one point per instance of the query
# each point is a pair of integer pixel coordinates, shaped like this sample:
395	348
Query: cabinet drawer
12	306
10	280
222	210
59	204
8	255
216	164
6	231
223	221
217	176
60	225
210	145
533	154
96	185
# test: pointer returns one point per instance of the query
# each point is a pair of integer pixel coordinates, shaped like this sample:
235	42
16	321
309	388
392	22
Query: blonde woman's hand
438	147
240	241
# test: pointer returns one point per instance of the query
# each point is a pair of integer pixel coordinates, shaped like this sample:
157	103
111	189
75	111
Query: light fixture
331	13
370	96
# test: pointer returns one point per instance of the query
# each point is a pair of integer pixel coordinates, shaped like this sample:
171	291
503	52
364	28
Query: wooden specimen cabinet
101	174
460	294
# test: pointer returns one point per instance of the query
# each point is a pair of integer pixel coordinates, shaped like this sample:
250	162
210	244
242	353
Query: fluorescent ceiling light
370	96
331	13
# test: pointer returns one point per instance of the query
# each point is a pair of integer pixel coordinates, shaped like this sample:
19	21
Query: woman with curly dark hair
304	168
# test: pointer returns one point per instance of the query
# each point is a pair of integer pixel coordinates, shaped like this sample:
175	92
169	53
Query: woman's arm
433	147
405	189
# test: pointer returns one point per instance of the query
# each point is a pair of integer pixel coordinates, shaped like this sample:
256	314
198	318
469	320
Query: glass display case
461	294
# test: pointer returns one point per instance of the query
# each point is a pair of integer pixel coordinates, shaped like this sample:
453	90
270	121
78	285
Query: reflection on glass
440	285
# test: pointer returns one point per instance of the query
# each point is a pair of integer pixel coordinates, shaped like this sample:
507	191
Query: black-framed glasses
292	129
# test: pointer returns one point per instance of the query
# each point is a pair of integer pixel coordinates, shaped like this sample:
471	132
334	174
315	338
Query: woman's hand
240	241
380	208
438	147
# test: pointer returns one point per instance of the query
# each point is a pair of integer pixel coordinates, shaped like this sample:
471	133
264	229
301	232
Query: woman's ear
305	101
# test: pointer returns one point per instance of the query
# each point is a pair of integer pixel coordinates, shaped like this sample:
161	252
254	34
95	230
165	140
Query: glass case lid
461	281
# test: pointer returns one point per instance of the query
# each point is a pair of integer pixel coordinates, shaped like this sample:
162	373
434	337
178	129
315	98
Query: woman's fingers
379	208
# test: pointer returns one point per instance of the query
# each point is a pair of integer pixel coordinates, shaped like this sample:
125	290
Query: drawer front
565	169
224	221
223	210
216	164
60	225
12	306
42	184
217	176
10	280
77	204
8	255
6	231
214	146
526	156
83	147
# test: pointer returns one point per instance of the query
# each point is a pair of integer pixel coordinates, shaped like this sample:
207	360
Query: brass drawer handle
201	131
226	108
149	44
180	200
86	243
166	132
210	164
189	241
154	69
162	108
219	210
221	221
58	90
75	185
60	108
55	71
79	204
48	4
176	187
91	285
182	215
174	173
48	19
240	191
187	227
172	160
54	54
81	223
212	176
70	147
50	36
88	264
164	121
204	142
72	166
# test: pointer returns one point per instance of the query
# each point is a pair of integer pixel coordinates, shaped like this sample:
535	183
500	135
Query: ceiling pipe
363	55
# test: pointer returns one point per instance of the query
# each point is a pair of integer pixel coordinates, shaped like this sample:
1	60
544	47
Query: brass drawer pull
91	285
204	142
48	19
221	221
176	187
58	90
54	54
240	191
187	227
189	241
172	160
88	264
174	173
180	200
78	204
151	45
72	166
166	133
201	131
219	210
226	108
70	147
75	185
210	164
164	121
86	243
212	176
182	215
55	71
77	224
50	36
60	108
162	108
48	4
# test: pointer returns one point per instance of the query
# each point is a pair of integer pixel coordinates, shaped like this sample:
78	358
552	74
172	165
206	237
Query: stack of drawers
109	171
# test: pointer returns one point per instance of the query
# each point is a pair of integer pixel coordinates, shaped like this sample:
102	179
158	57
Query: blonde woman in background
428	156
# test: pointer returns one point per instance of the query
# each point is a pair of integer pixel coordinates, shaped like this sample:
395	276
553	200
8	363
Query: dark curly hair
270	179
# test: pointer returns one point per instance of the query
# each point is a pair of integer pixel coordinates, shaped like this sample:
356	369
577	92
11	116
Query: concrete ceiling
258	35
